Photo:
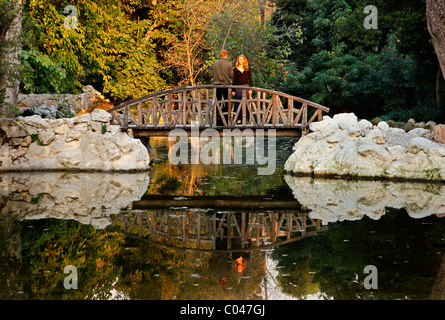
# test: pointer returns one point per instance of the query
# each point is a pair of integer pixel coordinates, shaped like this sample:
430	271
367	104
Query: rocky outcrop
84	101
90	198
344	146
86	142
332	200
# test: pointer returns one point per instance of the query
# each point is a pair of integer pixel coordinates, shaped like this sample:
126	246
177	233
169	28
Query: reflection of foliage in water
215	179
154	272
405	254
296	279
49	245
164	185
135	270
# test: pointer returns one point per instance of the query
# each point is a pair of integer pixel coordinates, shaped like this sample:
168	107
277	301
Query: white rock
324	129
397	150
100	115
418	144
375	153
46	137
345	120
338	136
397	130
331	149
90	198
62	129
365	124
355	131
35	121
382	125
377	135
437	151
97	126
77	131
37	151
421	132
84	118
69	144
14	129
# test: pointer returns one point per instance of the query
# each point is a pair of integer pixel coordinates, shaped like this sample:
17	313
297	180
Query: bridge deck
139	132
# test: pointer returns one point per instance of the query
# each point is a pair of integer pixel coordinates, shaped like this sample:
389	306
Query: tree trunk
435	15
11	59
438	91
262	6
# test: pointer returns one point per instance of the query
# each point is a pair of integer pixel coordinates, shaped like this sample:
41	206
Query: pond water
218	231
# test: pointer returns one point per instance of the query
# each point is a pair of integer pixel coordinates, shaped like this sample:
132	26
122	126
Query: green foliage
106	49
59	111
50	245
35	138
347	67
316	49
377	83
41	74
64	111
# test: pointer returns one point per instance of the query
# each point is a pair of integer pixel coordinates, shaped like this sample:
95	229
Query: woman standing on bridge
242	76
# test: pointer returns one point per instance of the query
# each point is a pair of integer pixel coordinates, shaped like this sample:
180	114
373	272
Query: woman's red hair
245	64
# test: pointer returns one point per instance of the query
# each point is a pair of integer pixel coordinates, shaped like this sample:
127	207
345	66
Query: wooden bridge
197	107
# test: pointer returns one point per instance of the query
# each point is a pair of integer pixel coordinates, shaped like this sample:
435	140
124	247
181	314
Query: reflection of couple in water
222	261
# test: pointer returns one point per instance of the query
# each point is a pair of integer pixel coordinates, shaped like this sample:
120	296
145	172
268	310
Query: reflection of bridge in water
205	229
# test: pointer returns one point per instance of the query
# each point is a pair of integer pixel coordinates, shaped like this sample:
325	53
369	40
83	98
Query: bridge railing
198	105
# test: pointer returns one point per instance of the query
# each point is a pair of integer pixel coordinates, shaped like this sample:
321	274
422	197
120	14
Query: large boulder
344	146
86	142
46	104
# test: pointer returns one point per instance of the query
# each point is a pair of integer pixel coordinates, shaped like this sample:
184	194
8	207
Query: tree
186	54
345	66
245	27
435	12
109	48
10	29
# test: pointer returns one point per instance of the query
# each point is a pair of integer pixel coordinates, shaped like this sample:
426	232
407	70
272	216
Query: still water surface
218	232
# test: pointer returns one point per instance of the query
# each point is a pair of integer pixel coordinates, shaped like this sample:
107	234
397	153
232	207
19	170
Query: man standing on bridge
222	73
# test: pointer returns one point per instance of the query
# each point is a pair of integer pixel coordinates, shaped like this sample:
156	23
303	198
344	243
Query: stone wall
84	101
344	146
86	142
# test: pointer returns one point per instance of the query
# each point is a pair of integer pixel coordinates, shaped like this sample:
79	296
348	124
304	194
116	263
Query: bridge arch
191	106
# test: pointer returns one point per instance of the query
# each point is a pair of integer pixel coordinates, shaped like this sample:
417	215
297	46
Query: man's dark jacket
222	72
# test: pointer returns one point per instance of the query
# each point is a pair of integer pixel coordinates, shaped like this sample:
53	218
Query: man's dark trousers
221	94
